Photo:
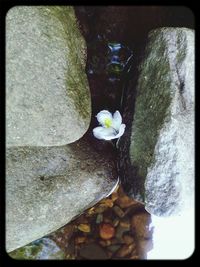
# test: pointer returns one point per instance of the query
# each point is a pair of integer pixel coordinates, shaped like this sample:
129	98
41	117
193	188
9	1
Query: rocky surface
47	187
159	169
47	94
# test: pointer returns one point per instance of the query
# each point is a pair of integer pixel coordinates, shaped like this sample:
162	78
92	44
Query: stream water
116	37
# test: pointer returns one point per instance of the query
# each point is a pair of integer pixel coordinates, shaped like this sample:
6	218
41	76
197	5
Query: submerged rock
93	252
48	187
140	224
47	93
143	230
43	249
159	169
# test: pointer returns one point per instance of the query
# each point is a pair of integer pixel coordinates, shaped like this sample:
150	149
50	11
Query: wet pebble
128	239
105	243
106	231
99	218
135	208
115	222
125	250
100	209
125	202
118	211
80	239
93	252
90	212
81	219
106	202
119	232
125	224
107	220
83	227
140	225
113	248
114	196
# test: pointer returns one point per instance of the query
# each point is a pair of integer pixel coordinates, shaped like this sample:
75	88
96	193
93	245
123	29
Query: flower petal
117	120
121	130
110	136
102	115
104	133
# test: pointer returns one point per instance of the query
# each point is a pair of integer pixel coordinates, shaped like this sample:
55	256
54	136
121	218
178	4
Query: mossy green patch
152	104
76	79
28	252
39	249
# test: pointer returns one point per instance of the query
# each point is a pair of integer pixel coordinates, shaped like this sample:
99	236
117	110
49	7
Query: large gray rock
48	106
48	187
161	151
47	93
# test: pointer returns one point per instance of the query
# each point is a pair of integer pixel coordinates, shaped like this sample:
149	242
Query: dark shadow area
116	37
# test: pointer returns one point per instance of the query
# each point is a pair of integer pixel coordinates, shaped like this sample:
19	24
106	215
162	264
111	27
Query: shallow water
113	77
116	37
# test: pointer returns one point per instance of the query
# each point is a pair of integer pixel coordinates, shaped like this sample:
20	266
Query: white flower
112	126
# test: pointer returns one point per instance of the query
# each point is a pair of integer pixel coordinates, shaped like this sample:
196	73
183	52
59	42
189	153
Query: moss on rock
76	79
161	128
43	248
152	103
49	95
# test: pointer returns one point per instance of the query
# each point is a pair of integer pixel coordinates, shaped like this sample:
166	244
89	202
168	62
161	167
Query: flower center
107	122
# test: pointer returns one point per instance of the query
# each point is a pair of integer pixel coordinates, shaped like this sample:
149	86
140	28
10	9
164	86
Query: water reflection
173	237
